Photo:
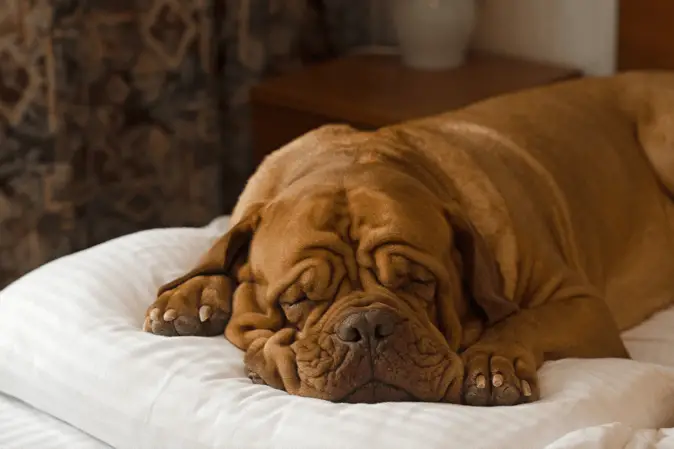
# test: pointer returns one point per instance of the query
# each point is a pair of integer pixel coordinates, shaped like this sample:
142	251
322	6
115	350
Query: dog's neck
473	324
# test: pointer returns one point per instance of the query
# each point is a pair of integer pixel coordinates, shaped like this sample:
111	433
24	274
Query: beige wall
579	33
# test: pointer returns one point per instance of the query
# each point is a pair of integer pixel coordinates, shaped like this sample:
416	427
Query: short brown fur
446	258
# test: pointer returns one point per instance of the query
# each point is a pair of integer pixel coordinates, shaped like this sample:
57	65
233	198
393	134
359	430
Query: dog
446	258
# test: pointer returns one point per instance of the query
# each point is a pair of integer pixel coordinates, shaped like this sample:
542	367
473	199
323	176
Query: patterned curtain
270	37
122	115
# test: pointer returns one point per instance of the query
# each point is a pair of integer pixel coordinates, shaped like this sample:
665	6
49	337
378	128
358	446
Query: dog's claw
480	381
205	313
255	378
170	315
497	380
526	388
154	314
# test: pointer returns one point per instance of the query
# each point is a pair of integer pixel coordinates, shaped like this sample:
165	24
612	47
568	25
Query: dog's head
357	285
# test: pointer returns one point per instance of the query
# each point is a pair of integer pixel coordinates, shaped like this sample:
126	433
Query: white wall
579	33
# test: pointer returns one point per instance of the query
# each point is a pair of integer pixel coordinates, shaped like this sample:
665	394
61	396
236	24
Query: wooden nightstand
370	91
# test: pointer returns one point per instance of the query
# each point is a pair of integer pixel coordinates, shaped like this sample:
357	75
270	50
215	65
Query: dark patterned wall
268	37
107	123
122	115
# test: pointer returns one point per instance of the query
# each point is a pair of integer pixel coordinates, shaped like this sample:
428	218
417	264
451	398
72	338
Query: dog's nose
363	325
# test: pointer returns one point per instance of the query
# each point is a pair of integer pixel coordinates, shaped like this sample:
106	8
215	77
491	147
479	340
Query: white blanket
23	427
71	345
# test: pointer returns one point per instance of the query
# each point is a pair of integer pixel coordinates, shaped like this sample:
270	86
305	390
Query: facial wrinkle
343	227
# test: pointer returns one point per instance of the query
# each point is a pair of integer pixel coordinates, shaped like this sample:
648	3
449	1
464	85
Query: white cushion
71	345
23	427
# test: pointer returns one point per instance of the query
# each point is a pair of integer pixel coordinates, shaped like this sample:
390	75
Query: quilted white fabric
71	345
23	427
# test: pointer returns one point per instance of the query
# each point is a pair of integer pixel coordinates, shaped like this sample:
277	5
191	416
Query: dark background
122	115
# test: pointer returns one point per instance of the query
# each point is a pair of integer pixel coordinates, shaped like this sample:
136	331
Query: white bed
71	347
24	427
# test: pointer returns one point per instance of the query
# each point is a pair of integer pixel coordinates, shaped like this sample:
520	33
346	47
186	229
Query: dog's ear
480	272
227	253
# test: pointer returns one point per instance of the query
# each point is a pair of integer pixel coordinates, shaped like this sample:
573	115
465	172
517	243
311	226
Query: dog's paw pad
512	378
199	306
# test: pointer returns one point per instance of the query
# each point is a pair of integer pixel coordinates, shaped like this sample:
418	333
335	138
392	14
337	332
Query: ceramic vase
434	34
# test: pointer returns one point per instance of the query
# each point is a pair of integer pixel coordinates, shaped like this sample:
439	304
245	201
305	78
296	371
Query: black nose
363	325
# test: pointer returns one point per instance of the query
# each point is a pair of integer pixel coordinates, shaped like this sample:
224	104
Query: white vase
434	34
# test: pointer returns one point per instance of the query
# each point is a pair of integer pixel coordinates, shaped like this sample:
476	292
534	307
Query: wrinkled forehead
361	214
296	227
301	214
388	206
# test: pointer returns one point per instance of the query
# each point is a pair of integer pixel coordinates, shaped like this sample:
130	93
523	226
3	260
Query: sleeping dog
445	259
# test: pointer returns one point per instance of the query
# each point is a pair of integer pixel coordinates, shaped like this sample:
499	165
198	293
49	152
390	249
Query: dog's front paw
499	374
199	306
255	377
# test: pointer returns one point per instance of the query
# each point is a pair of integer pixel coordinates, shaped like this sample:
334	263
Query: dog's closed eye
422	288
398	272
296	309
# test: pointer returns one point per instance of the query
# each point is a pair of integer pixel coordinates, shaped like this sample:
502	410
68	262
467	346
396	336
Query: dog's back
574	179
585	169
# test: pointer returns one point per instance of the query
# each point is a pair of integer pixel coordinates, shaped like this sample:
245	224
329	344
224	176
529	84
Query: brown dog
447	258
